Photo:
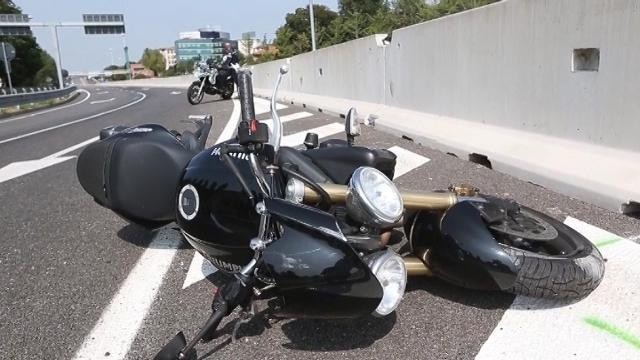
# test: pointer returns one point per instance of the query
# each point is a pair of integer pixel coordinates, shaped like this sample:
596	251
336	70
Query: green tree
32	65
153	60
294	37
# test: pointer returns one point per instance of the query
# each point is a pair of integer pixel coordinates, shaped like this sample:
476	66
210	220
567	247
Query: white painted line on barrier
22	168
143	96
119	323
101	101
322	131
49	110
407	160
604	325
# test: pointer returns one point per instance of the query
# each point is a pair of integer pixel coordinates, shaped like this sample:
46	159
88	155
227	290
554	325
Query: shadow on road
476	298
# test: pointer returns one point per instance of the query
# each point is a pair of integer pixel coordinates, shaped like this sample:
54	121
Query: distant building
140	71
169	55
208	44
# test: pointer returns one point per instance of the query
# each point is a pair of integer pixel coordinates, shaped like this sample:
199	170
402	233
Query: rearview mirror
352	125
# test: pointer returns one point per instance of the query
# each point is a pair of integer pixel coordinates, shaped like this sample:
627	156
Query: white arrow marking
101	101
407	160
21	168
199	269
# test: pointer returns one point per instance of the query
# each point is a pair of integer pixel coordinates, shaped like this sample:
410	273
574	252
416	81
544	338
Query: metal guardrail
28	95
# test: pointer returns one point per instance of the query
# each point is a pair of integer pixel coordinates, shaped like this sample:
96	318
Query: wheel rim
527	230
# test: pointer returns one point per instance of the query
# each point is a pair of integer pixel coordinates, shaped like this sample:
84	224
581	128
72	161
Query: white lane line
543	329
102	93
407	160
176	92
230	129
20	168
287	118
143	96
49	110
262	106
73	148
322	131
101	101
119	323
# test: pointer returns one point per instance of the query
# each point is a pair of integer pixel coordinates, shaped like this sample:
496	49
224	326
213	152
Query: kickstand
246	314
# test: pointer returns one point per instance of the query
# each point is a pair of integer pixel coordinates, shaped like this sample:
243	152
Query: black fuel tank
214	213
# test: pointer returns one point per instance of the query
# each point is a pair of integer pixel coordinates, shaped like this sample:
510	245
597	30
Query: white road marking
287	118
101	101
262	106
119	323
407	160
230	129
102	93
322	131
176	92
143	96
21	168
199	269
543	329
49	110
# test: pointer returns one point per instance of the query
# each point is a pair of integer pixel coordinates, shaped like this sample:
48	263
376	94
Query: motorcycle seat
339	162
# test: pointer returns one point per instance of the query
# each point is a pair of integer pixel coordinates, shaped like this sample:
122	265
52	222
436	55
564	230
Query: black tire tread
571	278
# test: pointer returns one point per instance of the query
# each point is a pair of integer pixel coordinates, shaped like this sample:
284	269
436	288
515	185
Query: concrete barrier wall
353	70
507	64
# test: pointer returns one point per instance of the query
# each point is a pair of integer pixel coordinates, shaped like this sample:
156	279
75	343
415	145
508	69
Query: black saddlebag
135	173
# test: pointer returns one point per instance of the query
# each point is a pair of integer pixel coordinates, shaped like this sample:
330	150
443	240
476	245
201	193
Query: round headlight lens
372	197
391	272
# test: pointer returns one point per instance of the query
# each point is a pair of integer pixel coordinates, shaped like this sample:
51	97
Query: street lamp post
313	26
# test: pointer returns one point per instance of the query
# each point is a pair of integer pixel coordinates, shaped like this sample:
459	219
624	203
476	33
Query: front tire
556	276
192	93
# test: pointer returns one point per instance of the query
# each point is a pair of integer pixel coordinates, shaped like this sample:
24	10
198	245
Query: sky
150	24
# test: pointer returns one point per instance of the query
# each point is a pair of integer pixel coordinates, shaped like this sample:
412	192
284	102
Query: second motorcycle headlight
373	199
389	269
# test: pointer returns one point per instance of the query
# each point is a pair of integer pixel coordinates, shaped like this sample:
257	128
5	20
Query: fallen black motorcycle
212	81
316	231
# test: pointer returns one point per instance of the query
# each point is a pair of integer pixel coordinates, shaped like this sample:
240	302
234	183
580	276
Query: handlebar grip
245	92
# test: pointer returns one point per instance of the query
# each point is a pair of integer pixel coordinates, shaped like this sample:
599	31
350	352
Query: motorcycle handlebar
245	93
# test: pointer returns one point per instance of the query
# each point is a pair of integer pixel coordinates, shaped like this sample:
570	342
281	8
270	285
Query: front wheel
552	259
192	94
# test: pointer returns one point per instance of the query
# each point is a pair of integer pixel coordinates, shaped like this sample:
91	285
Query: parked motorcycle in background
212	80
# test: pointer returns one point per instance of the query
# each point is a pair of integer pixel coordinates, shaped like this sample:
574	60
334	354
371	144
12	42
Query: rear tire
557	276
192	93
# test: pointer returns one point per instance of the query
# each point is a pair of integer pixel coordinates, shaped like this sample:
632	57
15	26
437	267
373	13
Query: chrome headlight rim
361	207
392	292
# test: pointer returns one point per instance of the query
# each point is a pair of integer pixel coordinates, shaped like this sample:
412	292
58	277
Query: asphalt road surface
78	282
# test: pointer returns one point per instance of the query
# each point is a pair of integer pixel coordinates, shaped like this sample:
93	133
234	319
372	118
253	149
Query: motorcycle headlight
373	199
389	269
